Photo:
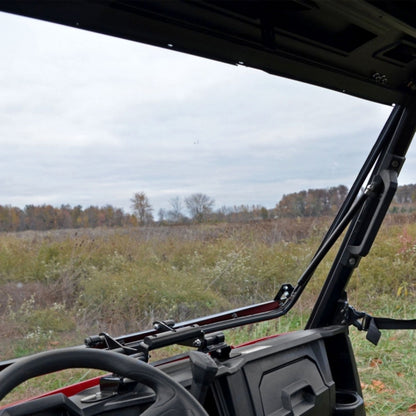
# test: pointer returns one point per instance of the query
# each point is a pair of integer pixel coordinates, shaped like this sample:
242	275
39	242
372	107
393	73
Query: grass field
59	287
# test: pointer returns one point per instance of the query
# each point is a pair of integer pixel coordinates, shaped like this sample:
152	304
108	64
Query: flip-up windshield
185	183
142	184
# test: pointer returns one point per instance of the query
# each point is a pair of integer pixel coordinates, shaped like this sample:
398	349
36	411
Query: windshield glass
141	184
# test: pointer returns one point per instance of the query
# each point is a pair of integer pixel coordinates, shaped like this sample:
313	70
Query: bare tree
199	206
161	215
142	208
175	214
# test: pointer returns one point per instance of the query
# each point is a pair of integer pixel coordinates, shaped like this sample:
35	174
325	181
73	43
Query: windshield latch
361	320
348	315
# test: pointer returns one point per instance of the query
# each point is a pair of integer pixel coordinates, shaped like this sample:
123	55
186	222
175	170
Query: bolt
352	261
197	343
395	164
380	78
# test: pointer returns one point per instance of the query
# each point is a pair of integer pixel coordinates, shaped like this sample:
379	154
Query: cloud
88	119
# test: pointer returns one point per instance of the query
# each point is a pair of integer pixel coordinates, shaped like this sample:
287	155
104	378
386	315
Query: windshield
141	184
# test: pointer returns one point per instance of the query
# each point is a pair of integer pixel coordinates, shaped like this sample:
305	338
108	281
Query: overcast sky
88	119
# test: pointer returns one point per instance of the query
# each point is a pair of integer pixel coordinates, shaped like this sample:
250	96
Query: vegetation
123	279
47	217
311	203
199	206
142	208
60	286
387	371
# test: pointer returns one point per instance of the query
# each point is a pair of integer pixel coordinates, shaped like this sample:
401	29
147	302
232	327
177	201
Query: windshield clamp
214	344
284	293
107	341
164	326
104	340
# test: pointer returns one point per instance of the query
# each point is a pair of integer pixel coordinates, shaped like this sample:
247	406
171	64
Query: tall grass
120	281
58	287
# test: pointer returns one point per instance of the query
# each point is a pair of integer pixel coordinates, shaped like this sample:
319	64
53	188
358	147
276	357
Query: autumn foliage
47	217
311	203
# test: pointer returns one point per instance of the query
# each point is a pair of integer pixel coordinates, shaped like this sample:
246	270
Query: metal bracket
191	336
214	344
284	293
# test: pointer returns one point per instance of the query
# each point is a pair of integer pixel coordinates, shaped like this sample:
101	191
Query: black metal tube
365	225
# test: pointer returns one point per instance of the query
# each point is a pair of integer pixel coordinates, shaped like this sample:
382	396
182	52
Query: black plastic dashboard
310	372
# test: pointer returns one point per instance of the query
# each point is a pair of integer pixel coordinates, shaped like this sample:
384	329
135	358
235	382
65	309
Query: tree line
312	203
200	207
196	208
47	217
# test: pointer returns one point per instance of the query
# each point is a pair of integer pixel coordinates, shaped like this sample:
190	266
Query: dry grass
59	287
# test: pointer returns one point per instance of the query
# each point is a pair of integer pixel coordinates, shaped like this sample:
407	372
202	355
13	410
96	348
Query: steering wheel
171	397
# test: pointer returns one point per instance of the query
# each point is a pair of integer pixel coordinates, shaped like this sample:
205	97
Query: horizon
215	209
97	119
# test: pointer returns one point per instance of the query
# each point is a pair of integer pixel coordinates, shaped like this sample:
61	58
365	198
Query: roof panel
363	48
